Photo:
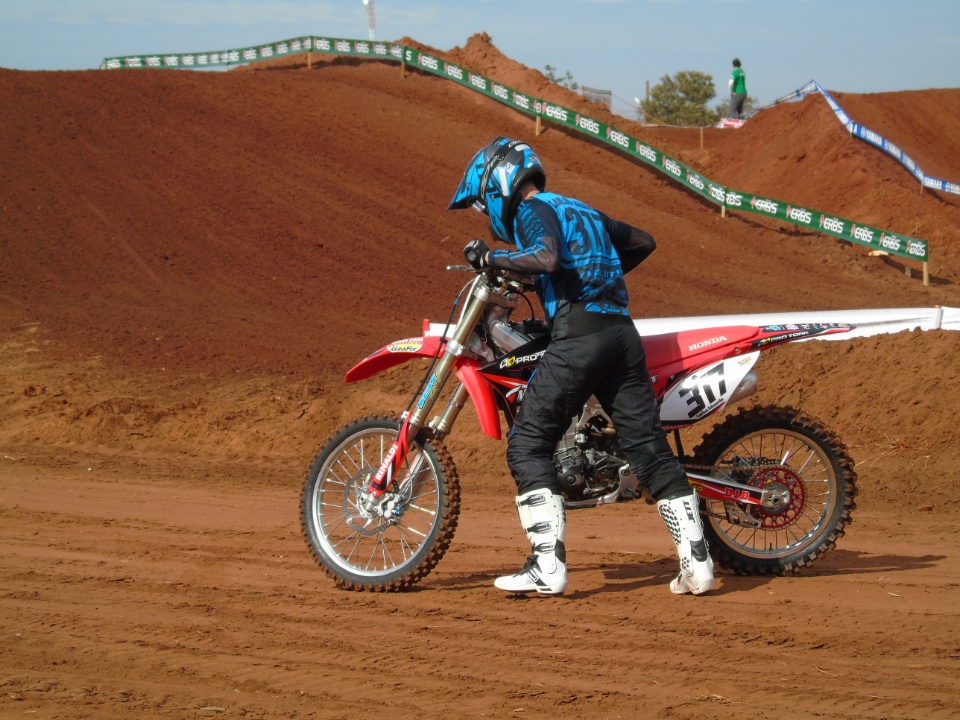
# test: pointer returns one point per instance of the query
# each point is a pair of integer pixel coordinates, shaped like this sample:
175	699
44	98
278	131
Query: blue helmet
492	181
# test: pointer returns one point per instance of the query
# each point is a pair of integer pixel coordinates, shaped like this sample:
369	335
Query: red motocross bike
381	501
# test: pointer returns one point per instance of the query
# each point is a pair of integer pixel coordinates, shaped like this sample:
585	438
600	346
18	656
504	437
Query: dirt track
191	262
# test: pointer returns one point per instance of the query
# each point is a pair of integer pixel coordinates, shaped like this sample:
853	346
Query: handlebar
508	279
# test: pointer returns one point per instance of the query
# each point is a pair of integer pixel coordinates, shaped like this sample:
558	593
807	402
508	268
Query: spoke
750	532
803	469
428	511
777	543
787	451
809	514
412	472
353	549
793	533
757	442
335	522
424	490
415	532
356	467
432	490
373	553
404	544
387	557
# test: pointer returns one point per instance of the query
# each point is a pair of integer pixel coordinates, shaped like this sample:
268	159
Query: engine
588	462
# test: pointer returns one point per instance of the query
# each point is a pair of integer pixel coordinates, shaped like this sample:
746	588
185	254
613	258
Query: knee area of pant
675	487
674	493
519	455
524	488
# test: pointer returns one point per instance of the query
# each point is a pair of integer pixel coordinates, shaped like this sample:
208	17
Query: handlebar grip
473	256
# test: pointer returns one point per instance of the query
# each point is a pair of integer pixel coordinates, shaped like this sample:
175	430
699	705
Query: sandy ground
191	262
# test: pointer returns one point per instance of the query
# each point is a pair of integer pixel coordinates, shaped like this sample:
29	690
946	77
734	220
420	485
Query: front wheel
394	543
780	449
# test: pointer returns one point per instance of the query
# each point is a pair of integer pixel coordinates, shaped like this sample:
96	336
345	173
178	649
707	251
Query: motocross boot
543	517
682	518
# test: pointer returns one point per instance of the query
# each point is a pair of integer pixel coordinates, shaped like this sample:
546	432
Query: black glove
475	252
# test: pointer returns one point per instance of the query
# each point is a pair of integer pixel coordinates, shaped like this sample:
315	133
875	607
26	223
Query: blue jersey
568	244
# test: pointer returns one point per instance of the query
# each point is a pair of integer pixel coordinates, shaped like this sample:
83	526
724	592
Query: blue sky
856	46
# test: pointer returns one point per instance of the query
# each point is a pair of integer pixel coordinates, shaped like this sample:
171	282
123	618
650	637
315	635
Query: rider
578	256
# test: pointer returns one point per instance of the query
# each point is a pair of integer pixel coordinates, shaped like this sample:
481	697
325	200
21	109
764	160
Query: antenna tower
371	22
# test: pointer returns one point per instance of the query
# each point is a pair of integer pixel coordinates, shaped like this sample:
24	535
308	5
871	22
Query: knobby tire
369	553
818	470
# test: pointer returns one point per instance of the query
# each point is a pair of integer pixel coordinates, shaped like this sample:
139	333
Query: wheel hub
361	515
786	483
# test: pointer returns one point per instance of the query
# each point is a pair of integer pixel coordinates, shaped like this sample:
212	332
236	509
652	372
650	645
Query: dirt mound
210	230
191	261
914	121
799	152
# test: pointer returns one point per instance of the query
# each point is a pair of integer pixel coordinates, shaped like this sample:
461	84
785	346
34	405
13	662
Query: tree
682	99
565	81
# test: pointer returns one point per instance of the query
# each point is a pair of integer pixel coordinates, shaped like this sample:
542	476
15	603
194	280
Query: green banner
815	220
832	225
336	46
502	93
357	48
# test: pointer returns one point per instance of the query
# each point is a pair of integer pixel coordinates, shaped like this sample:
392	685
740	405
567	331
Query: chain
729	468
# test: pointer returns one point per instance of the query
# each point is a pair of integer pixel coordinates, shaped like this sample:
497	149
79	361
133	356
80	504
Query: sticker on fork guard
405	346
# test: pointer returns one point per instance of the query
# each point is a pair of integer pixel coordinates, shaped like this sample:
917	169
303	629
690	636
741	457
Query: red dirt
192	260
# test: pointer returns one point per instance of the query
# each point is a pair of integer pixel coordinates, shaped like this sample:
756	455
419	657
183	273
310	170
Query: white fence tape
865	322
874	138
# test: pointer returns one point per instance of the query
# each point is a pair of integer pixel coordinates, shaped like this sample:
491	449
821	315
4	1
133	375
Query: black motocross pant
600	355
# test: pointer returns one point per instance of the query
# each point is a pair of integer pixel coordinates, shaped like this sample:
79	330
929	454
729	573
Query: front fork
415	421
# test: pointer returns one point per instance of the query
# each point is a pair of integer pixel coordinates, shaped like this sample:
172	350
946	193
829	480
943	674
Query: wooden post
537	133
926	274
723	211
701	137
309	59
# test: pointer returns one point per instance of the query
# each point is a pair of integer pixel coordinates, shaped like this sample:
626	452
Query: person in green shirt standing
738	89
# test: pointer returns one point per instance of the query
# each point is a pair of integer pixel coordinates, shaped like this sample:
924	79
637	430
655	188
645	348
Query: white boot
682	518
544	521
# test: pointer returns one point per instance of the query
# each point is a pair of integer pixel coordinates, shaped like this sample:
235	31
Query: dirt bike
381	500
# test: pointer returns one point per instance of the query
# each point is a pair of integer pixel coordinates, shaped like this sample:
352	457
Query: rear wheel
398	541
777	448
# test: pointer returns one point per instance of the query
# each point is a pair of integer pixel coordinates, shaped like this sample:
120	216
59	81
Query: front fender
401	351
396	353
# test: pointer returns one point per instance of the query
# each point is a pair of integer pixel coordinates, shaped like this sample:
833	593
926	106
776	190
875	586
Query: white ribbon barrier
874	138
865	322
